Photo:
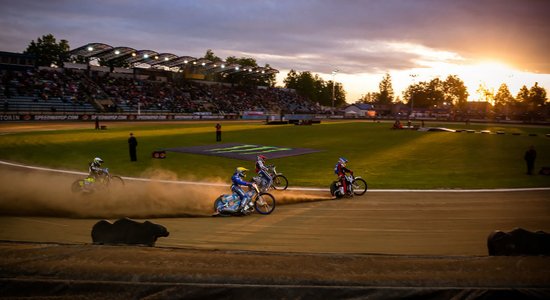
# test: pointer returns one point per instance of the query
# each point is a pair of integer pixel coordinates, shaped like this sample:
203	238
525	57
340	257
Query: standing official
218	132
132	144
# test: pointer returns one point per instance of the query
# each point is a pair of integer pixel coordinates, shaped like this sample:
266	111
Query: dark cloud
323	33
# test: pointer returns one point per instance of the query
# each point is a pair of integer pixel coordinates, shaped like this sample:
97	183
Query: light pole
413	76
333	86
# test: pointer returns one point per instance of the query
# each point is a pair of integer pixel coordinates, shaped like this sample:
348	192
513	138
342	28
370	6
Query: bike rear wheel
280	182
264	204
218	207
77	186
334	190
359	186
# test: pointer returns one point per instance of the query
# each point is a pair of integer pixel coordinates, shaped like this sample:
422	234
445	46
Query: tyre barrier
159	154
518	242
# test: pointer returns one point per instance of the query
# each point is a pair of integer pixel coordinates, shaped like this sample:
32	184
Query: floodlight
90	48
117	52
145	55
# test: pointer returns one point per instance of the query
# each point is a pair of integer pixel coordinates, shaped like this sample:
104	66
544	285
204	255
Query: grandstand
150	83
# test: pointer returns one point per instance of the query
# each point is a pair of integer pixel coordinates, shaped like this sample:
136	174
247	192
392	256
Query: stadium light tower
333	86
413	76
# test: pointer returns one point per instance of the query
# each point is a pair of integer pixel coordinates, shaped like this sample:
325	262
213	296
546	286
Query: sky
487	42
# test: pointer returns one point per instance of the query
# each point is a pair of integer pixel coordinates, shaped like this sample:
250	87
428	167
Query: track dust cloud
38	193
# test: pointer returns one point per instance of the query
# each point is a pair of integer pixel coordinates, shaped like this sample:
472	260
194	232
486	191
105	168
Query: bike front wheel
265	203
359	186
116	182
280	182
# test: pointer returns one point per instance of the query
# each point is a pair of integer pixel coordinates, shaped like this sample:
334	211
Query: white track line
302	189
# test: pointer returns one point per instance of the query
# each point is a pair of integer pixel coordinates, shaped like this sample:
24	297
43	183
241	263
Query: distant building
360	111
16	61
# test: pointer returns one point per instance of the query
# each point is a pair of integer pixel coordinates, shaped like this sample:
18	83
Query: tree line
451	95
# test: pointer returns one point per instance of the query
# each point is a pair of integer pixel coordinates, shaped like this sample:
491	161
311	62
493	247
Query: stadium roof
169	61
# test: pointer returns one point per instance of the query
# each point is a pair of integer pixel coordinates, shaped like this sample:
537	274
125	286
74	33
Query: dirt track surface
121	272
380	245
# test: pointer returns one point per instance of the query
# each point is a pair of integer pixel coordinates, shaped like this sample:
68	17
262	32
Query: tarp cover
243	151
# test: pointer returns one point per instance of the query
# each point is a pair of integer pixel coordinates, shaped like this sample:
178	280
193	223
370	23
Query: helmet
98	161
241	171
342	161
261	157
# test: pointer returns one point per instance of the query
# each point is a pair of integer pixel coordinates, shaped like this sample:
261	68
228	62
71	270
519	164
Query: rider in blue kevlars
237	181
340	170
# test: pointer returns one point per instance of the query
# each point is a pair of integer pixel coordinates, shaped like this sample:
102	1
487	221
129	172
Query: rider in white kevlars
262	170
237	181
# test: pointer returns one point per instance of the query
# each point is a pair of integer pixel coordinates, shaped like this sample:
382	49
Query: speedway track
384	244
429	222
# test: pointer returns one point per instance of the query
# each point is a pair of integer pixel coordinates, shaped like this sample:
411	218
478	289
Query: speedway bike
102	182
356	186
230	204
278	180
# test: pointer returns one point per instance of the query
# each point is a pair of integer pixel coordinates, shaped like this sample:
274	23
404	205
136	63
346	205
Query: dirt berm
84	271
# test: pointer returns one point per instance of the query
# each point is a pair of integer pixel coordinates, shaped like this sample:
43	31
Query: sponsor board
56	117
10	117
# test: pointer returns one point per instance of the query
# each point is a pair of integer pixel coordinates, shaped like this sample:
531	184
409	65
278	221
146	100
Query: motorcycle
103	182
278	180
229	205
356	186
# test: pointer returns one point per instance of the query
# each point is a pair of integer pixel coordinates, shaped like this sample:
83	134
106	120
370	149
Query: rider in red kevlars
340	170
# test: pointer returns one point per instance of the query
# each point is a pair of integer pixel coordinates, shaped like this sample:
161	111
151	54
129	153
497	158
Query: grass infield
386	158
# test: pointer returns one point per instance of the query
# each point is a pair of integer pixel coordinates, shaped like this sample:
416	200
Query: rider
340	170
262	170
237	181
95	170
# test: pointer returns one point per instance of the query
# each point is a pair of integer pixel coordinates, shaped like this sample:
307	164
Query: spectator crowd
126	93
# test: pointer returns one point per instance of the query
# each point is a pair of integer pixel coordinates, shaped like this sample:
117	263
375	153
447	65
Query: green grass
385	158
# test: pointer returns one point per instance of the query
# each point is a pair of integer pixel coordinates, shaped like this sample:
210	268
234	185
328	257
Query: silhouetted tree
48	51
315	88
455	92
504	101
386	90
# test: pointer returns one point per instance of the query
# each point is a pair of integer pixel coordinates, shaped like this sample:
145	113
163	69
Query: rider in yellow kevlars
94	171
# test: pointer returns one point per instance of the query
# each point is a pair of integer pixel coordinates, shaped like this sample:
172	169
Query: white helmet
98	161
342	161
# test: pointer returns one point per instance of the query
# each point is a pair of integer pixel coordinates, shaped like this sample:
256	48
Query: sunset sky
482	41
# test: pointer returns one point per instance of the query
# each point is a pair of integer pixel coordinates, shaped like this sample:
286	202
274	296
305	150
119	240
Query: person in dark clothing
218	132
530	156
96	123
132	143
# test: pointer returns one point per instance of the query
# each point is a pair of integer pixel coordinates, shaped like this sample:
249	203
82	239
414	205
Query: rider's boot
244	204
